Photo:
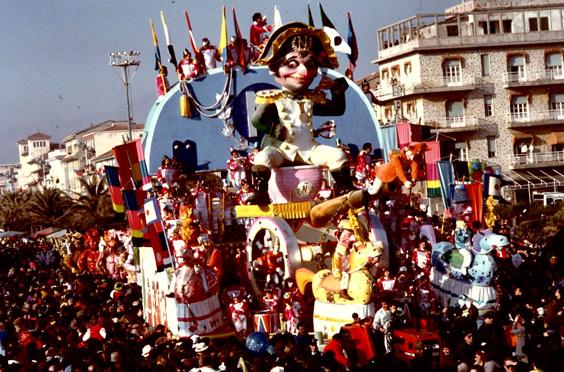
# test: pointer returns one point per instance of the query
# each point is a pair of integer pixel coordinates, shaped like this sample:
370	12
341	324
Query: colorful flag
158	62
159	243
492	186
432	156
353	55
222	47
337	42
114	187
277	19
133	171
169	46
152	211
446	177
134	199
240	44
310	17
197	54
474	191
136	221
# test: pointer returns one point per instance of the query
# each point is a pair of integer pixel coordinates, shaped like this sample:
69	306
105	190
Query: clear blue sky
54	53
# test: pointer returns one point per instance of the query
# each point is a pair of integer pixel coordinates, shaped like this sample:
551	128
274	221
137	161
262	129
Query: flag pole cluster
348	46
129	183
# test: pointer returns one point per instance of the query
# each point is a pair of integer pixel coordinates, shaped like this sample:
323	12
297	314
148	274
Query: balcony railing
551	74
527	117
388	90
538	157
454	122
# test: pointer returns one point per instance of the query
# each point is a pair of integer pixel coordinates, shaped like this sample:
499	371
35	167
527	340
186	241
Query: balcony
428	85
535	119
454	124
534	78
537	160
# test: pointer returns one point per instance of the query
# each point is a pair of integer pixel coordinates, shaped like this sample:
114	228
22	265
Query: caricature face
297	71
347	238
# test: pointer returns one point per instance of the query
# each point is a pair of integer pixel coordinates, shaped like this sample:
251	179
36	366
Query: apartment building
486	78
83	148
32	151
8	177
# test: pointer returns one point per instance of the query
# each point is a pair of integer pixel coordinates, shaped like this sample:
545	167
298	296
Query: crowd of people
58	316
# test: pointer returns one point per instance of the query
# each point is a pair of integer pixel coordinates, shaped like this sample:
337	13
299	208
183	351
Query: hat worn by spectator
200	347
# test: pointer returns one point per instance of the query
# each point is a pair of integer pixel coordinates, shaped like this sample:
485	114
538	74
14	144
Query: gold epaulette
268	96
272	95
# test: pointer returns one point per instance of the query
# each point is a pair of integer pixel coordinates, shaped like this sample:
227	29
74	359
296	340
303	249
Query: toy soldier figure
293	53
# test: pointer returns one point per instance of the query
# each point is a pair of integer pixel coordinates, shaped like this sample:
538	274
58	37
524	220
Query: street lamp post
124	60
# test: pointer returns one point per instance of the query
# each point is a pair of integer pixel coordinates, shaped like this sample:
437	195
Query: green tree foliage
14	211
50	207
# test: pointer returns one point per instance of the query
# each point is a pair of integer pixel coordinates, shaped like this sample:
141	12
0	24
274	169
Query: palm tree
48	206
93	207
14	211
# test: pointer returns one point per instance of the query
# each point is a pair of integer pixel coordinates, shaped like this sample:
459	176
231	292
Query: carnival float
298	118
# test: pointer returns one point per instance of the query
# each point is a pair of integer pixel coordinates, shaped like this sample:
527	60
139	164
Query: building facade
8	177
32	152
487	79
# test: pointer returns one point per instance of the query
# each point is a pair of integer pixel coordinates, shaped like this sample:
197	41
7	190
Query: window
461	148
544	24
485	59
507	25
452	71
519	108
553	63
407	68
516	68
491	146
556	104
455	114
489	28
488	105
452	30
534	24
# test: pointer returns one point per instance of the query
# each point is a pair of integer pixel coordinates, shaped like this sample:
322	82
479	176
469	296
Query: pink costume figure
258	33
386	283
291	317
245	193
166	174
271	261
270	301
210	54
187	67
162	82
362	168
325	192
239	310
421	258
200	196
236	165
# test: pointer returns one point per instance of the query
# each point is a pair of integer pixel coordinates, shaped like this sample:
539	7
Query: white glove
408	184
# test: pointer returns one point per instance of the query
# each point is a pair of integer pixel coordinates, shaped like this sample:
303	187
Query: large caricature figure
293	54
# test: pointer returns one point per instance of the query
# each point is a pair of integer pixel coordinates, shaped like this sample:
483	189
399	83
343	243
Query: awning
522	136
557	138
7	234
57	234
45	232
